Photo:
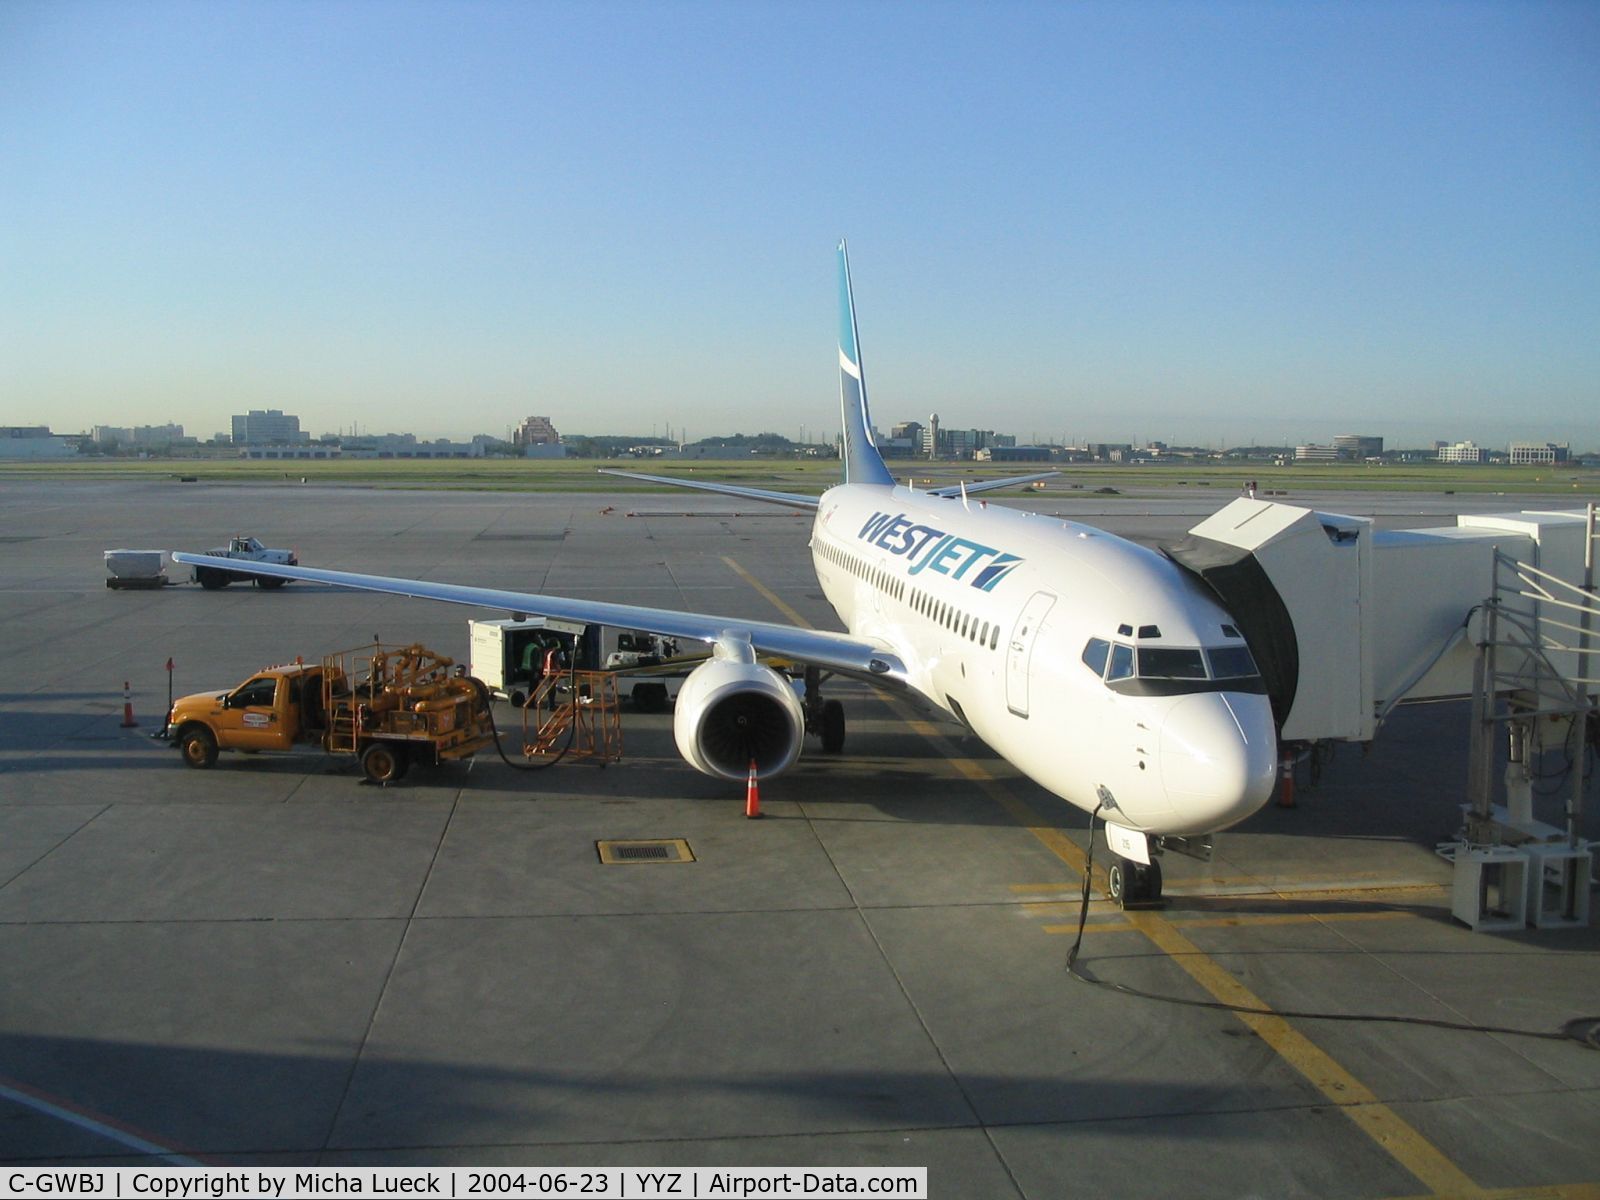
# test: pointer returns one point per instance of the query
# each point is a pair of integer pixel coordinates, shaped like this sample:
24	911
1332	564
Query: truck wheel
211	579
198	747
384	762
270	581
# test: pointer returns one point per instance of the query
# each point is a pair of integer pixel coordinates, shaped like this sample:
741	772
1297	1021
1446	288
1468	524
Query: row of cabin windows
984	633
859	567
962	624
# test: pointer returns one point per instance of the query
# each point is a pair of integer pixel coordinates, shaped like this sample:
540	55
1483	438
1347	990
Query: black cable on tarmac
1583	1030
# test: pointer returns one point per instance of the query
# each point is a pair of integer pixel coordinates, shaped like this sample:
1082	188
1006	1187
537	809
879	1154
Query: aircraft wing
789	499
838	652
989	485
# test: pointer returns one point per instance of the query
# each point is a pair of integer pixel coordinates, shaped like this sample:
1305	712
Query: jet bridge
1346	621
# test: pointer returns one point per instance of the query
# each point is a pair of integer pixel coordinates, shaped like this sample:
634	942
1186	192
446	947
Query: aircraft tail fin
862	462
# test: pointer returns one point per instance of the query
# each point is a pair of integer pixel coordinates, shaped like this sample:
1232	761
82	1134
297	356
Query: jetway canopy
1346	620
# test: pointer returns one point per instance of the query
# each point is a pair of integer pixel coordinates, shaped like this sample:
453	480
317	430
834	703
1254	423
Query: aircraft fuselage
1093	664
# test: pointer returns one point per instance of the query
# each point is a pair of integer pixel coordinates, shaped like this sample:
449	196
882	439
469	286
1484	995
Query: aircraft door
1019	650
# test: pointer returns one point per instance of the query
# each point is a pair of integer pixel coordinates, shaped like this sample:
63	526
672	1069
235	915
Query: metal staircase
1535	677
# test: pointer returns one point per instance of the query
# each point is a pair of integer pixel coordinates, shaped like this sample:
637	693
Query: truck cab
272	710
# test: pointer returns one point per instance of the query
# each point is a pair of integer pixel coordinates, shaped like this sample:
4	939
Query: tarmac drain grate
652	850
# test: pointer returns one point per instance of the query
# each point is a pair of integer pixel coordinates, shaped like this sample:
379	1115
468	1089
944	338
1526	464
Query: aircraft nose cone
1219	758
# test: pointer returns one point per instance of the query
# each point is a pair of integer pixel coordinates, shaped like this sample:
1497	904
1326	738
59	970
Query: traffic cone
1286	781
127	707
752	794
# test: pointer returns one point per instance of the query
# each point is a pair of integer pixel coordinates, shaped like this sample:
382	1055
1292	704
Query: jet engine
732	711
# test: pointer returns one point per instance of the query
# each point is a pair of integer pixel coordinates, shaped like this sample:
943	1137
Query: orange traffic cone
127	707
752	794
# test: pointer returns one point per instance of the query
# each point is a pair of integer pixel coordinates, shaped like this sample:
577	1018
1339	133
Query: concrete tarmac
272	963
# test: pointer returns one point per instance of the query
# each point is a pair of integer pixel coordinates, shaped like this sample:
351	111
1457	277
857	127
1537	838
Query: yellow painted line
767	594
1285	889
1245	920
1549	1191
1375	1118
1360	1104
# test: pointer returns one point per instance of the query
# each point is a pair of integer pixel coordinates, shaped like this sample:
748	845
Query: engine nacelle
730	712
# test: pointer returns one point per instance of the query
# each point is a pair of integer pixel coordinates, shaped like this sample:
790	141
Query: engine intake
729	713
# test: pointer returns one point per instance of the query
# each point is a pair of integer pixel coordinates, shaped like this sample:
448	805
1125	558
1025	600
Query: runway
271	963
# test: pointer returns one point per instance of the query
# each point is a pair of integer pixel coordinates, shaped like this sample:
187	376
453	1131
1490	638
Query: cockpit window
1161	662
1121	662
1094	655
1230	662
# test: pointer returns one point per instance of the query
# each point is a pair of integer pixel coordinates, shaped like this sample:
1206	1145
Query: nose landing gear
1133	884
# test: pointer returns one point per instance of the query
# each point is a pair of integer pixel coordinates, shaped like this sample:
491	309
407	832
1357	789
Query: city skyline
1230	224
278	421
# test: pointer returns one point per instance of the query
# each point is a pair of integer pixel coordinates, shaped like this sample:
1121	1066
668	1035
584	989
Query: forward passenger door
1019	650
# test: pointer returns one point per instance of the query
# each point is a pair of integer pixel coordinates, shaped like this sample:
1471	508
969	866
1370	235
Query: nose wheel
1133	884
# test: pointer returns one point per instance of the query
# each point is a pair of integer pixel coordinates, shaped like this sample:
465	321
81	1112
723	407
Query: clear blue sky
1194	221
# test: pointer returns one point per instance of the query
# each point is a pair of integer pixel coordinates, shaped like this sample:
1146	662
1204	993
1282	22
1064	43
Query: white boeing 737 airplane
1097	667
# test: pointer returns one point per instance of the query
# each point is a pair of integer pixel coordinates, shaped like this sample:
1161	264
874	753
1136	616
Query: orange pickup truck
388	706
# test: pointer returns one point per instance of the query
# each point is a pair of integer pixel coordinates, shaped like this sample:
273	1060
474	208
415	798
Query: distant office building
144	437
1539	454
930	437
406	445
1110	451
1013	454
1358	446
1461	452
304	452
1316	454
536	431
907	431
962	443
270	428
34	441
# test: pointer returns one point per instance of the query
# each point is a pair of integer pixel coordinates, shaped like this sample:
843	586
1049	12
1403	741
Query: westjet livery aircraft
1097	667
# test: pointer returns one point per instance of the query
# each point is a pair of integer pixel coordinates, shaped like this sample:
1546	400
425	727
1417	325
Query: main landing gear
825	718
1133	884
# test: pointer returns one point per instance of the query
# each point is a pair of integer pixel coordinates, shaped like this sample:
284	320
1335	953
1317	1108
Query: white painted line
31	1099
